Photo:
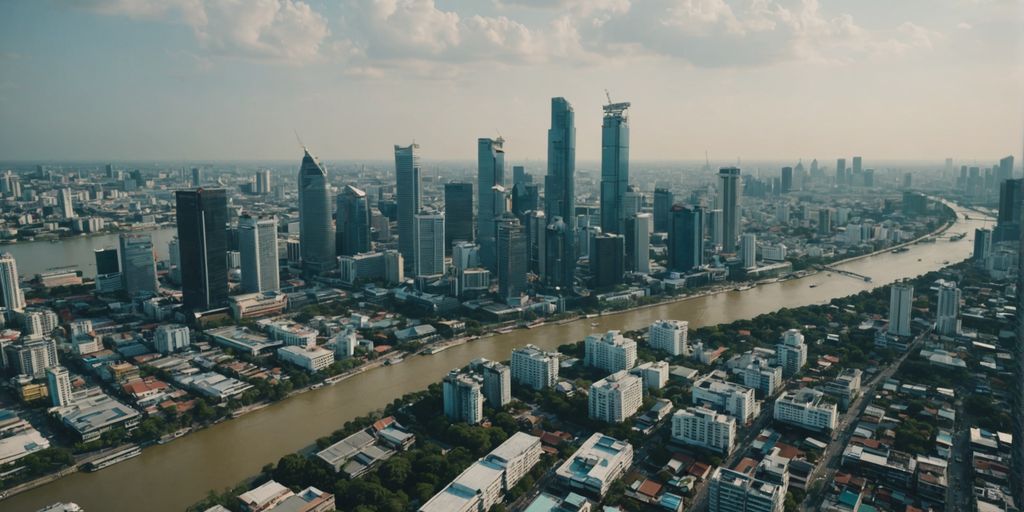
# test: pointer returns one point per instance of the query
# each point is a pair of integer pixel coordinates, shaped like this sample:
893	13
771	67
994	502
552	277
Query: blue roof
849	498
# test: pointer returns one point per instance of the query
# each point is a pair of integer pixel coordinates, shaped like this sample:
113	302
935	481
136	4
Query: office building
791	353
534	368
32	356
748	250
1017	394
408	194
174	260
901	302
1011	193
458	214
315	229
732	491
536	242
841	172
428	248
762	377
729	202
615	398
463	399
669	336
596	465
614	167
511	257
394	267
352	231
58	382
686	238
170	338
90	417
825	221
982	244
257	247
64	203
845	387
138	264
663	202
733	399
263	182
787	180
559	196
108	271
607	260
485	482
10	288
310	358
654	375
947	314
202	222
610	352
197	177
702	427
638	243
497	385
806	408
490	173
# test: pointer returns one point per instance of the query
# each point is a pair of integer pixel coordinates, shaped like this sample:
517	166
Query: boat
594	324
318	385
393	361
899	250
814	286
113	458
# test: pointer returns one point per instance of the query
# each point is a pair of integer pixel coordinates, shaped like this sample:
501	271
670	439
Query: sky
238	79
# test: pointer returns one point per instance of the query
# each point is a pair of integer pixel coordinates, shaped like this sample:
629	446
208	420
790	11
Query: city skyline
764	82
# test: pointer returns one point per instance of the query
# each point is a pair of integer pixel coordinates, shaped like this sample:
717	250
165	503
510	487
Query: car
959	459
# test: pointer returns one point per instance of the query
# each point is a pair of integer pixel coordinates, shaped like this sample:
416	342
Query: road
829	462
760	422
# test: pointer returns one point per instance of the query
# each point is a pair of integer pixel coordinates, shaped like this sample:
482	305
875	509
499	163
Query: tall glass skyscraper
257	247
511	256
407	175
614	167
11	296
315	234
458	210
559	194
729	203
490	172
663	201
203	243
429	246
138	267
353	225
686	238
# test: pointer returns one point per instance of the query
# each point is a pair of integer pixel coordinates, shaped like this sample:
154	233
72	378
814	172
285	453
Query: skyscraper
686	238
559	195
429	243
197	177
108	271
947	313
64	203
1005	169
982	244
1017	395
663	201
536	241
407	192
202	235
787	180
607	260
729	203
257	245
315	233
490	173
11	296
511	257
901	300
263	181
58	381
138	267
458	214
857	165
1011	192
748	250
638	243
352	233
614	167
840	172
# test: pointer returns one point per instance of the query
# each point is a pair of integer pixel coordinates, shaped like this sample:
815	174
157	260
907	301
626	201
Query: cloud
283	30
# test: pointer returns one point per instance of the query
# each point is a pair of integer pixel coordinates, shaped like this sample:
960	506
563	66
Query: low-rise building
214	385
309	499
256	305
243	340
264	497
845	387
90	417
311	359
600	461
699	426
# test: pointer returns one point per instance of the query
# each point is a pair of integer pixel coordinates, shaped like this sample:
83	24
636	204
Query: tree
395	472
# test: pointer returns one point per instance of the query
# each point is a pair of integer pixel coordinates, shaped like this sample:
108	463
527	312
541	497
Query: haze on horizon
222	80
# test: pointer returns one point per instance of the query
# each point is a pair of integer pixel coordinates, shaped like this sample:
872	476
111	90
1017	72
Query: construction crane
614	109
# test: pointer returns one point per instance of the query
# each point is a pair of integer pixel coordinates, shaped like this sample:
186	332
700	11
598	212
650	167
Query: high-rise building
729	202
352	231
607	260
663	201
519	176
1005	168
11	296
138	266
394	267
171	338
64	203
534	368
791	352
638	243
525	198
315	233
197	177
511	257
32	356
901	301
263	181
825	221
458	214
497	385
615	398
202	233
609	351
559	196
702	427
463	399
857	166
1011	193
670	336
490	173
108	271
1017	395
58	381
840	172
748	250
982	244
686	238
536	238
787	180
407	193
428	249
732	491
614	167
257	247
947	313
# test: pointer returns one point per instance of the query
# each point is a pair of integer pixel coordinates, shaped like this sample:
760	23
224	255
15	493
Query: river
77	252
172	476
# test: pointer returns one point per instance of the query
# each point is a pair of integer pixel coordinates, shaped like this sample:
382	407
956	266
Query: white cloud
284	30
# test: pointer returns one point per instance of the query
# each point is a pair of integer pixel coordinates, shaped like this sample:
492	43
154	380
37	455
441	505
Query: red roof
649	488
746	465
699	470
140	386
